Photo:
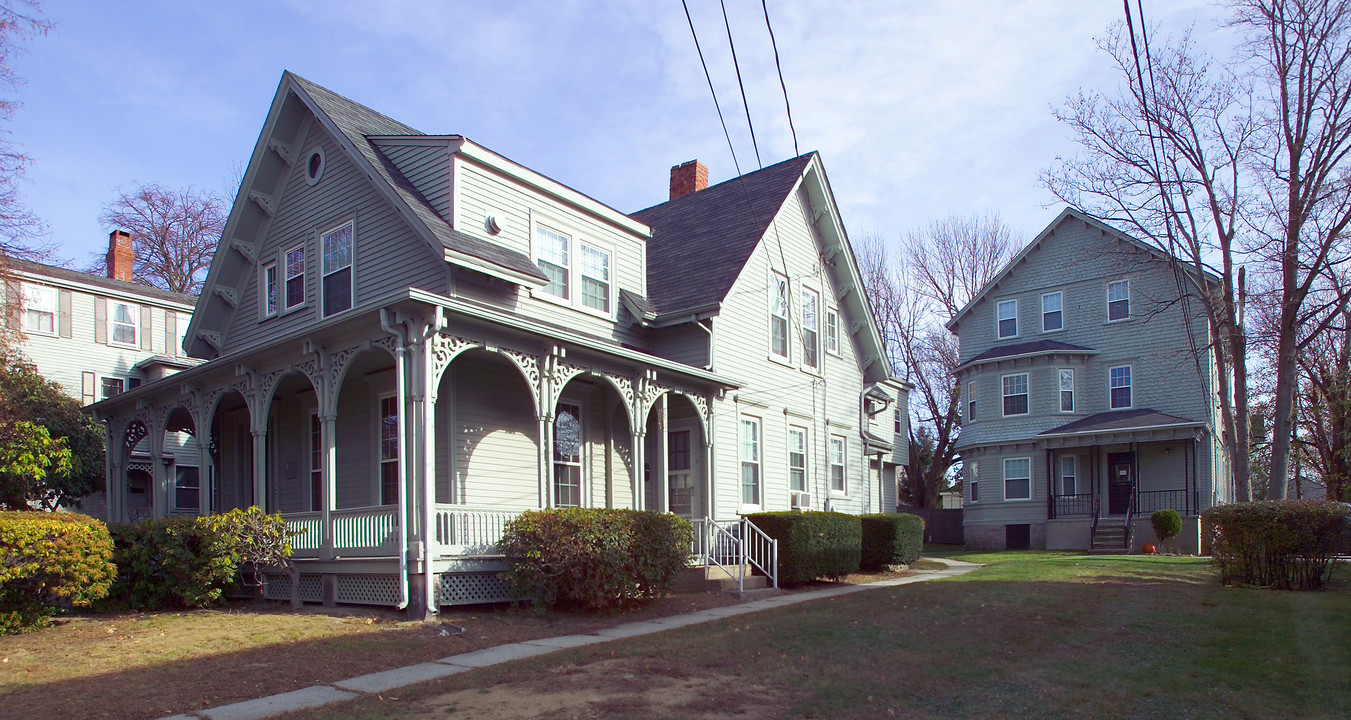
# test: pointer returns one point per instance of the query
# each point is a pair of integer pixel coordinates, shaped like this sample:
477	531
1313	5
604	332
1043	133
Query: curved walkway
343	690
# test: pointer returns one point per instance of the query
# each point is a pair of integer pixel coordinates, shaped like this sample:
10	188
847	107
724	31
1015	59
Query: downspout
708	329
401	388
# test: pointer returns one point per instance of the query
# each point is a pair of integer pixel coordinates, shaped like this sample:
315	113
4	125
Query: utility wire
737	66
764	5
713	92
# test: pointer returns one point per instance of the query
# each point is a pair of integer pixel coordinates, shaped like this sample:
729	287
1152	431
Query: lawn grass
1029	635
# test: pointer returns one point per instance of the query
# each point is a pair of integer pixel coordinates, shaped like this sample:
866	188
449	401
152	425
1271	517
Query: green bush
813	544
594	558
193	561
1287	544
891	539
1167	524
49	561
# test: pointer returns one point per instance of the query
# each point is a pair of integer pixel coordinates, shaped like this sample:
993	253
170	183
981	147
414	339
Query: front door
1120	482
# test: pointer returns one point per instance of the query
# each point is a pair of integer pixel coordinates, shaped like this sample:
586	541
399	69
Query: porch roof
1119	421
1027	349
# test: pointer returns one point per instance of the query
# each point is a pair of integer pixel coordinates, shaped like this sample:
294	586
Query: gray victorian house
410	339
1088	395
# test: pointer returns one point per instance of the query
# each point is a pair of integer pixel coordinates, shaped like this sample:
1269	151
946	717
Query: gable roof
710	234
1049	230
76	276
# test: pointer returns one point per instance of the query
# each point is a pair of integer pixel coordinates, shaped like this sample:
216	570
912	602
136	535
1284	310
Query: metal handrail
720	537
764	554
1129	528
1097	513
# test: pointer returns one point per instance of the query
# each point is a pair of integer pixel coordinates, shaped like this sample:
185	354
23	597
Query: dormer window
595	281
1008	319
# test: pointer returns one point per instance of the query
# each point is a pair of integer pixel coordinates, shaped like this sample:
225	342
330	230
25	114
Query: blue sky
920	109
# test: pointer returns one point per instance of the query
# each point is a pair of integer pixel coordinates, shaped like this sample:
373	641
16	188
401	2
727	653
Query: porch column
1050	482
260	468
663	455
639	477
546	460
205	470
114	482
159	475
710	487
328	462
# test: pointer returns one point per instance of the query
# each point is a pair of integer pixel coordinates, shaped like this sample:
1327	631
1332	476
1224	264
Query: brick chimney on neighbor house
120	255
688	178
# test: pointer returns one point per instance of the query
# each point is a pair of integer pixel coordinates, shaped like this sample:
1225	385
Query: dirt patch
630	687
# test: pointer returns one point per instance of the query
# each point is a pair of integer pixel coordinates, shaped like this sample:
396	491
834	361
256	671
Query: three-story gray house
1088	396
411	339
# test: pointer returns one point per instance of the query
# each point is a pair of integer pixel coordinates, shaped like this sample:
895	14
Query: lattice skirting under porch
279	587
454	588
468	588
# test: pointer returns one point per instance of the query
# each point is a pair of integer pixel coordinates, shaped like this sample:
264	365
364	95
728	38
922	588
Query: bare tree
1301	51
1168	156
21	231
174	233
942	268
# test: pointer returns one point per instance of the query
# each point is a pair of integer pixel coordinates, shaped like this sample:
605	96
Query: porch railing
1067	505
310	526
734	546
468	530
366	531
1153	500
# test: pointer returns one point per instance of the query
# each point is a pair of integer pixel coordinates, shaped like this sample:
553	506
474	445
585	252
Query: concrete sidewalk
320	695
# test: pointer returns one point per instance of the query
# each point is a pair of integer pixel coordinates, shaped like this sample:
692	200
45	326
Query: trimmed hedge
891	539
594	558
1286	544
192	561
50	561
813	544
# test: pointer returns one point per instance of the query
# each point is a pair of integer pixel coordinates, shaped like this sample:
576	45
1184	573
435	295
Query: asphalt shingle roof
1027	348
1119	420
101	281
700	242
360	123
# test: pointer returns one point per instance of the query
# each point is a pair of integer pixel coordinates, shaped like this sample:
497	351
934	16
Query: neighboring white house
1089	395
412	339
99	336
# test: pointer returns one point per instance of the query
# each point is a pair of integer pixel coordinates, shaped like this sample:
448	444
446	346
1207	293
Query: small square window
1008	319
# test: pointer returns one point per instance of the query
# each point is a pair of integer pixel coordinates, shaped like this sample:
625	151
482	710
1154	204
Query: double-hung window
595	282
187	488
1008	319
1052	312
1017	478
750	461
811	329
39	309
837	483
832	332
1069	473
568	455
123	319
267	283
389	450
797	459
973	480
295	276
1015	394
1118	300
338	247
778	315
1119	380
1066	378
551	248
971	401
109	387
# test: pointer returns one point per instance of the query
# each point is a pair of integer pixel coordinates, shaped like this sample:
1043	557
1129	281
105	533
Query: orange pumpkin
1149	549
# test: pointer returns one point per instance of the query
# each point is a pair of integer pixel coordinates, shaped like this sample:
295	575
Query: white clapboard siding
494	441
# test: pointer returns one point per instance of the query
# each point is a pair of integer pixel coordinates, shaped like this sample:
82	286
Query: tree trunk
1283	420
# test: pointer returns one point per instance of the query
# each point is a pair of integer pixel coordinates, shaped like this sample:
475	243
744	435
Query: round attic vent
491	224
314	166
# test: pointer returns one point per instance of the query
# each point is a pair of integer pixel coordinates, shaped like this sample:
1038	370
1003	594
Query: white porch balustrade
310	526
373	531
463	530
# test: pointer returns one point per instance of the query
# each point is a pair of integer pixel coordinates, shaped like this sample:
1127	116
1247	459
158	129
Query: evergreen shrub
812	544
1285	544
50	561
891	539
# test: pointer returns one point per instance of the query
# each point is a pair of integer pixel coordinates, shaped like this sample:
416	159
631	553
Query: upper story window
1118	300
811	333
1015	394
971	401
1008	319
899	428
181	326
295	277
797	459
267	283
1120	387
778	315
39	309
1066	376
123	322
551	248
1052	317
109	387
338	245
595	281
832	332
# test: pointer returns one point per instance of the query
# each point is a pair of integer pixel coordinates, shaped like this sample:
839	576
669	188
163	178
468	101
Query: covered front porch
399	457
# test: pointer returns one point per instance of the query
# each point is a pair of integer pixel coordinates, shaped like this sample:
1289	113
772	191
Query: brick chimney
120	255
688	178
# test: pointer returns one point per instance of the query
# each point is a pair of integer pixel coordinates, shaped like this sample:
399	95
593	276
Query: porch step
716	579
1109	539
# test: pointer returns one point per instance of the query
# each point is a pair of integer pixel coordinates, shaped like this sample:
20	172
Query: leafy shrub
594	558
193	561
49	561
1287	544
1167	524
813	544
891	539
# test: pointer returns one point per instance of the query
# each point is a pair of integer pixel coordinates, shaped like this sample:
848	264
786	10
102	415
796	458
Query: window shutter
101	320
13	317
63	314
87	389
171	333
147	342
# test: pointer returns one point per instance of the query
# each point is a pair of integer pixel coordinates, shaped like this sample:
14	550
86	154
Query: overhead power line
711	91
787	108
737	67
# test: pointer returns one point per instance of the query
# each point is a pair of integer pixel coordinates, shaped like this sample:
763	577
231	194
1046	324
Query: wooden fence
941	527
